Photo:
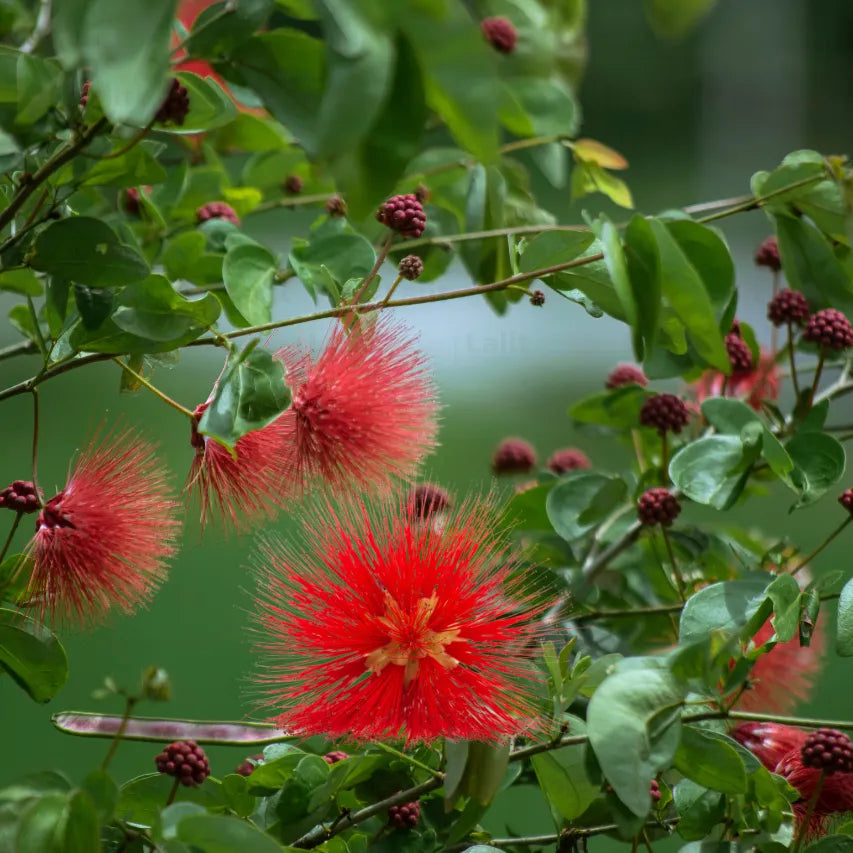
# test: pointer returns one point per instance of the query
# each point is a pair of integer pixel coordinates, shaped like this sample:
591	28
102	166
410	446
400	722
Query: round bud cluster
411	267
665	412
426	499
625	374
658	506
403	214
740	355
336	207
422	193
846	500
513	456
567	459
828	750
84	94
767	254
788	306
217	210
537	298
20	497
500	34
186	761
176	105
405	816
829	329
654	790
335	756
247	767
293	185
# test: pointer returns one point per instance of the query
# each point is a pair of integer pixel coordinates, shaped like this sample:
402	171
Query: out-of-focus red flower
363	412
245	489
785	675
752	386
769	742
379	626
103	541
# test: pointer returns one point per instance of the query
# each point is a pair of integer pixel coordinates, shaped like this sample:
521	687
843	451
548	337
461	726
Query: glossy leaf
710	762
844	637
32	655
210	106
141	799
221	834
685	291
87	251
582	500
634	727
819	463
127	47
713	470
250	395
726	606
248	272
564	778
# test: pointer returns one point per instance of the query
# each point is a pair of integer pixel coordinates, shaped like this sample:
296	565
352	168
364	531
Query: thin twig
42	28
153	388
129	703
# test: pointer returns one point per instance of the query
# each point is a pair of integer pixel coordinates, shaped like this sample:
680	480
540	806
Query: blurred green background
695	119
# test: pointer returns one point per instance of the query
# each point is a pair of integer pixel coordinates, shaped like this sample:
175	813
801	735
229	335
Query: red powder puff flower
752	386
784	676
103	540
242	490
363	412
381	627
835	797
769	742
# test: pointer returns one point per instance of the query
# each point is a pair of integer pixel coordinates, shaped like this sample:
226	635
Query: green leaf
844	638
619	408
210	106
82	829
369	171
484	769
832	844
41	826
581	500
23	282
141	799
330	260
699	809
251	395
634	727
93	304
710	762
459	73
589	177
285	67
136	168
248	272
811	266
685	290
713	470
39	87
220	834
103	791
727	606
126	45
644	276
818	464
732	417
552	248
540	107
32	655
359	67
216	32
564	778
87	251
784	592
675	18
617	267
154	310
236	794
709	255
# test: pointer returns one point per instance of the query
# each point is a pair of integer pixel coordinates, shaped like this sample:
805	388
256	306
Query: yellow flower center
411	639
